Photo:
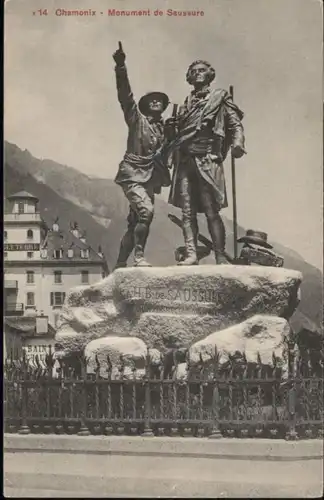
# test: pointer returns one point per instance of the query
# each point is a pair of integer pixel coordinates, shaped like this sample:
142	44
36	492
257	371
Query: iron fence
239	399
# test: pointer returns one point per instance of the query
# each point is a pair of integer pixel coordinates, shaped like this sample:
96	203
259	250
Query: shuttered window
57	276
30	302
57	298
30	277
84	277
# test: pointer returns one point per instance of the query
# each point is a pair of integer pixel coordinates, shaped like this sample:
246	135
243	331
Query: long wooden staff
231	91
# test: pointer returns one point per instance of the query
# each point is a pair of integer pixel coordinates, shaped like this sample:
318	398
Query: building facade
42	263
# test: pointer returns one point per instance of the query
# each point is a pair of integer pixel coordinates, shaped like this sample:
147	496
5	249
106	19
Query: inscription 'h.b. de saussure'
171	294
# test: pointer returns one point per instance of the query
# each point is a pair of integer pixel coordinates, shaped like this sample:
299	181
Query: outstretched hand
119	56
238	151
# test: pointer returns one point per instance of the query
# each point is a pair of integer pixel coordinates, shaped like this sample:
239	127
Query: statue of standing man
138	175
208	124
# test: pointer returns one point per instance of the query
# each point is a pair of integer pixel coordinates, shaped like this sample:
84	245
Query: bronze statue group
193	143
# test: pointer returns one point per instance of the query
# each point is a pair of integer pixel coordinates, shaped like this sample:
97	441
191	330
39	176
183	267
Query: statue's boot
141	262
128	241
190	233
191	260
126	248
217	232
120	265
140	235
221	258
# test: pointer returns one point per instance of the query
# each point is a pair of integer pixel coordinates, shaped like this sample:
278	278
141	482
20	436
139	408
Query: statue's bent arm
234	126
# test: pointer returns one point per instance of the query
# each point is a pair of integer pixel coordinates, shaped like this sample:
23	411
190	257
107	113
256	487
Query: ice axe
231	91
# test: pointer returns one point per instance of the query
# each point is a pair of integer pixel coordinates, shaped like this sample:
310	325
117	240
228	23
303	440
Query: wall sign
40	350
21	247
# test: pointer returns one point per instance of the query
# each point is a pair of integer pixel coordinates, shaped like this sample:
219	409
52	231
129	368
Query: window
5	234
21	207
84	253
70	253
58	254
30	234
5	254
57	276
30	255
84	276
30	299
43	253
30	277
57	299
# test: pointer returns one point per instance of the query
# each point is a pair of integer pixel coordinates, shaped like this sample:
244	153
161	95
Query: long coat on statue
208	126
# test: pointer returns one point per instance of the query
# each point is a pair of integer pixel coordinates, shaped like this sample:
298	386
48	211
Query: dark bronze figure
207	125
138	175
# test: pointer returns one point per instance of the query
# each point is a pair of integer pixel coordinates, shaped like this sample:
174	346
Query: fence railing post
202	383
147	422
59	429
161	428
109	430
215	432
291	434
84	431
24	428
174	431
120	429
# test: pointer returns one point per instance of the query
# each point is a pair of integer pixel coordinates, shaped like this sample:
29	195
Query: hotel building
41	264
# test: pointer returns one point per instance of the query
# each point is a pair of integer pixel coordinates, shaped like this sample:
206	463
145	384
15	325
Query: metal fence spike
109	365
274	359
259	360
121	368
97	369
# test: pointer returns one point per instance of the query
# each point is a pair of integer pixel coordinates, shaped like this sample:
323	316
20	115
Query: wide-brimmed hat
256	237
143	102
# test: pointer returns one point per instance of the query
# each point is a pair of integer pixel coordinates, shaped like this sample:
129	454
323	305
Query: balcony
14	309
25	217
11	284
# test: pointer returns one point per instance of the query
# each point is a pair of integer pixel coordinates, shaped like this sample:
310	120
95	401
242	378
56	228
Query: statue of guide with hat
139	175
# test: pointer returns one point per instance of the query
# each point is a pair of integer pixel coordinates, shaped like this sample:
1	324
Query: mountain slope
101	208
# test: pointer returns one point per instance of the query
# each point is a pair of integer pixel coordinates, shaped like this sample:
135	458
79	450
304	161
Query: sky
61	102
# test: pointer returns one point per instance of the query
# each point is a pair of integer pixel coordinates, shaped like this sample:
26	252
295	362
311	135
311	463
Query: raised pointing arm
124	91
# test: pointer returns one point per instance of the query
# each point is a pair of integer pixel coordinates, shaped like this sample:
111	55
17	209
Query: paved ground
59	475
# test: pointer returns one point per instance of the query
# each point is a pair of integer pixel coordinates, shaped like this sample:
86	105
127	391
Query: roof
26	326
22	194
64	240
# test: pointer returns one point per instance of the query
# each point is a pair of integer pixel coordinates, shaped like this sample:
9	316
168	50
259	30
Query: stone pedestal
176	307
